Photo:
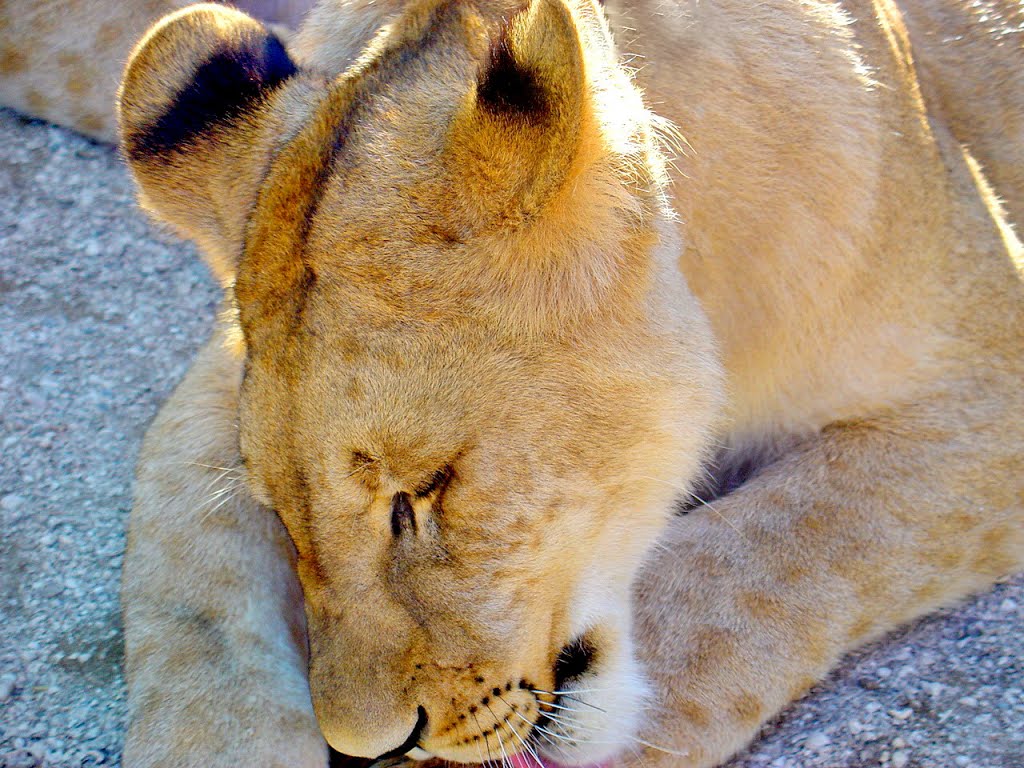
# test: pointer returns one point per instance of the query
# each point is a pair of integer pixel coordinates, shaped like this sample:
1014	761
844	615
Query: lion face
475	382
468	510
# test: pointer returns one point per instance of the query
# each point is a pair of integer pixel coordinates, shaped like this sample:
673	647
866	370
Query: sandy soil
99	315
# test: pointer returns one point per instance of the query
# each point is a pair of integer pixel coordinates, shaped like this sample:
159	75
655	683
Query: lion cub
514	438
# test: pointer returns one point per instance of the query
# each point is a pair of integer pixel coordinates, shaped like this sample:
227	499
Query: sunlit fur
518	316
432	273
425	281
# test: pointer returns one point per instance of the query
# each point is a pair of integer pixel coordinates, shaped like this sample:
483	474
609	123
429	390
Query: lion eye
435	482
403	518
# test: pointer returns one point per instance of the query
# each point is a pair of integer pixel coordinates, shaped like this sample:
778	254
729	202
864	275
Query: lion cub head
474	379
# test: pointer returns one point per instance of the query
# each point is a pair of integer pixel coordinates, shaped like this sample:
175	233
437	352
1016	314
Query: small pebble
20	758
816	740
7	687
51	589
933	689
11	502
900	759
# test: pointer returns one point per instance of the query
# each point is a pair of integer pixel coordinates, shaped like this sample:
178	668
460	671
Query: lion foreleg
753	598
214	632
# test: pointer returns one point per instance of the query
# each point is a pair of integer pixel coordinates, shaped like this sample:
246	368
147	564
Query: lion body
846	181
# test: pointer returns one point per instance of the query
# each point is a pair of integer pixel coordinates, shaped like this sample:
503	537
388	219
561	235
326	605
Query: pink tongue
527	761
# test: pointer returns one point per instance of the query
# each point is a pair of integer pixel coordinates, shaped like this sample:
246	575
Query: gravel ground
99	316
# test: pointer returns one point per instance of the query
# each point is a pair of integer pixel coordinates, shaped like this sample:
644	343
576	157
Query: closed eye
436	482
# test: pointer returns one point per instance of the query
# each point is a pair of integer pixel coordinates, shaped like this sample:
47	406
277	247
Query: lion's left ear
194	121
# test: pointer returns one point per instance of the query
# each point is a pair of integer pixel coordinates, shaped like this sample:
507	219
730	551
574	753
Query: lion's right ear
193	115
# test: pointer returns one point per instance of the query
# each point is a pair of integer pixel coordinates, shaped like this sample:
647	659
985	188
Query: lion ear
516	138
193	121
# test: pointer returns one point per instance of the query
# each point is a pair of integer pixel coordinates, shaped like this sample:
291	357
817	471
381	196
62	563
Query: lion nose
414	738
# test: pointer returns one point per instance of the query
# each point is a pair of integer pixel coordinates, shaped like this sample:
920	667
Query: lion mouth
557	723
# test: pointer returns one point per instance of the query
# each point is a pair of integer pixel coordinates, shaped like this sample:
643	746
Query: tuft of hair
506	86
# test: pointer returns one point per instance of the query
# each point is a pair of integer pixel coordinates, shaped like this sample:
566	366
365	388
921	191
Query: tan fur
62	60
418	280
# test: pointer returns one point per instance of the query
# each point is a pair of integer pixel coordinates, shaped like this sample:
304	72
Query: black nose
414	737
403	518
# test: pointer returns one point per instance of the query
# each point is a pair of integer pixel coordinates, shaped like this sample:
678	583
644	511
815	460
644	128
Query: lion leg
756	596
62	62
214	632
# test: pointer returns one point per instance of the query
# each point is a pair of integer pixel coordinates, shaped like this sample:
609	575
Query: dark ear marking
231	80
507	87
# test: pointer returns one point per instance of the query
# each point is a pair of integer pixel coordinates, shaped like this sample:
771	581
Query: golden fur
476	347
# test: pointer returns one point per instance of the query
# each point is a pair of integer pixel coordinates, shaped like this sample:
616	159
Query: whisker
484	736
516	733
575	725
638	755
356	471
501	742
526	746
569	722
549	740
666	750
216	479
707	504
226	489
573	690
661	546
231	477
211	466
210	512
541	729
721	516
477	742
231	482
528	722
573	698
223	476
638	740
559	706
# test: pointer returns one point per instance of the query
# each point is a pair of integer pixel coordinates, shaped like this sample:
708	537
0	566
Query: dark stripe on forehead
408	38
273	277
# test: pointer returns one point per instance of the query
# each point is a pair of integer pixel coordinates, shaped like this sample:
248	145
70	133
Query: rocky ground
99	315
